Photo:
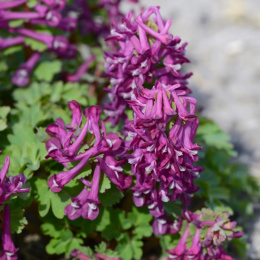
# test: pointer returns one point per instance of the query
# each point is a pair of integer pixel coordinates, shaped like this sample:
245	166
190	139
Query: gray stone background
224	48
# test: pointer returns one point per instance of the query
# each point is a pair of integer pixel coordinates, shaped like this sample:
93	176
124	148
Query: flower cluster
72	143
207	231
145	74
8	186
163	150
146	52
158	142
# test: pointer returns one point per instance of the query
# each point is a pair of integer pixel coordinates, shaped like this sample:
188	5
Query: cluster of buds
66	146
98	256
8	186
207	231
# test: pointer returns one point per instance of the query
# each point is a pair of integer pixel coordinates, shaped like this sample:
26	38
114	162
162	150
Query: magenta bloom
90	209
7	15
179	251
74	210
11	4
57	44
8	248
5	43
48	17
81	70
79	255
22	76
55	4
10	185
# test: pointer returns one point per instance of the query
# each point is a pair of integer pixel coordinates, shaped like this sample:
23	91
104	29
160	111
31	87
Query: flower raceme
145	53
208	231
65	146
9	186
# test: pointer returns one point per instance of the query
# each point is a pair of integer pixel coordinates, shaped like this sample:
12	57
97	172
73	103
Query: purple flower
57	44
6	43
55	4
22	76
57	181
114	172
8	248
90	209
48	17
195	251
79	255
69	23
74	210
11	4
179	251
4	170
7	15
100	256
81	70
93	115
10	185
67	140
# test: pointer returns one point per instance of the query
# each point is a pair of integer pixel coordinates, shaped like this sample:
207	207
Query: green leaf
130	249
172	209
51	229
32	115
111	196
12	50
47	69
4	111
86	171
16	23
75	243
3	66
57	246
168	241
101	248
3	124
140	220
105	184
58	203
43	196
18	221
35	45
31	3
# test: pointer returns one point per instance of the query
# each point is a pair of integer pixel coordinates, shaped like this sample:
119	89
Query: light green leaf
4	111
111	196
105	184
18	221
58	202
47	69
16	23
35	45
